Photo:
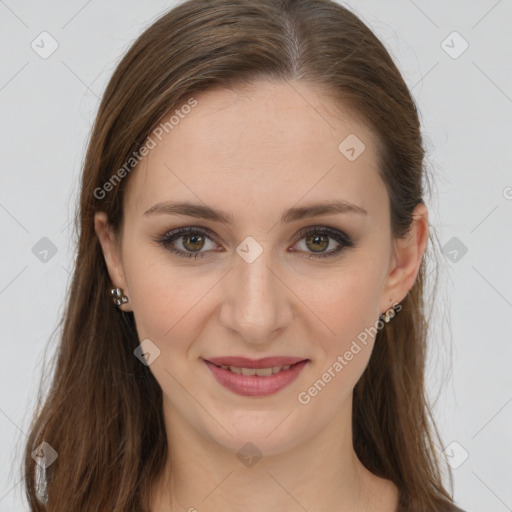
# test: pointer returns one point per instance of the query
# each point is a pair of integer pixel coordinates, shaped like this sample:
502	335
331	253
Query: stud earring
118	296
389	314
392	311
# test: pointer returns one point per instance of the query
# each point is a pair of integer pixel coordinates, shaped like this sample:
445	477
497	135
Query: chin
258	434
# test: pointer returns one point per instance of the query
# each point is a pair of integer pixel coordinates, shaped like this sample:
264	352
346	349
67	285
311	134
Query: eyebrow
201	211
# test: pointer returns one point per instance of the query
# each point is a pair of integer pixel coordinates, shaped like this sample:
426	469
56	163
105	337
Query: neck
322	473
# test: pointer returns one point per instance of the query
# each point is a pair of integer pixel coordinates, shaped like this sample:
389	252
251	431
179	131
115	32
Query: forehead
260	145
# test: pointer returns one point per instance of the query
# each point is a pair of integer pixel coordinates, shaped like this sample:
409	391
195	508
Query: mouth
261	377
260	372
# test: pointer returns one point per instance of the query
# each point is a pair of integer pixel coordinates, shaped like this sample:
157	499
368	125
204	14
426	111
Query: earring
119	297
388	315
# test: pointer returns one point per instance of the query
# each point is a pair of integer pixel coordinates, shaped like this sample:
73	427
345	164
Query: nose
256	302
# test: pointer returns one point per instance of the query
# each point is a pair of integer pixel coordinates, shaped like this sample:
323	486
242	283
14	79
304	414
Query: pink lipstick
255	377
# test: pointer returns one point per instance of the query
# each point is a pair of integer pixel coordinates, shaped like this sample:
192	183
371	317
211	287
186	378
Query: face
266	277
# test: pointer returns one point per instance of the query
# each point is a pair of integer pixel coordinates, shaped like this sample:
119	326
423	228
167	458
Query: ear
112	253
406	261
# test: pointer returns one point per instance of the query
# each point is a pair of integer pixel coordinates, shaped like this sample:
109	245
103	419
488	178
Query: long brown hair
102	412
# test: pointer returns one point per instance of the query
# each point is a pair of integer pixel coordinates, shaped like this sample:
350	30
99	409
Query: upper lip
265	362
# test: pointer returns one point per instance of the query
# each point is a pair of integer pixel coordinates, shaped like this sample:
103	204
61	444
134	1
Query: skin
255	152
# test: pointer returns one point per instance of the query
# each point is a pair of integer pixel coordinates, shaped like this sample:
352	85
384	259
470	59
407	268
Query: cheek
343	354
166	298
347	321
345	302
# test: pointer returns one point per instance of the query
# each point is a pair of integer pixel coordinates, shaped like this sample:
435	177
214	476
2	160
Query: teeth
264	372
260	372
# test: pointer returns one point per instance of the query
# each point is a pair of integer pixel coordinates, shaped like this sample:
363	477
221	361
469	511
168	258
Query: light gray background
465	103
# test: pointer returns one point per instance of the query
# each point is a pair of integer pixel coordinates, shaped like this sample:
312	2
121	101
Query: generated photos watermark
304	397
151	143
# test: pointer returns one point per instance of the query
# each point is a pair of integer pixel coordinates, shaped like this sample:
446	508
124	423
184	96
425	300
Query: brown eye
317	243
318	238
193	242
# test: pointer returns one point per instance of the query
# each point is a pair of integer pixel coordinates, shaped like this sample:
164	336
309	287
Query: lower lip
253	385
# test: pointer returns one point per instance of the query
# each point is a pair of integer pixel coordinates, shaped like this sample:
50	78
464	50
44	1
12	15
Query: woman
246	327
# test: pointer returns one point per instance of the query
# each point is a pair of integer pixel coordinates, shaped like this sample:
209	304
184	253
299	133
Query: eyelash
344	240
